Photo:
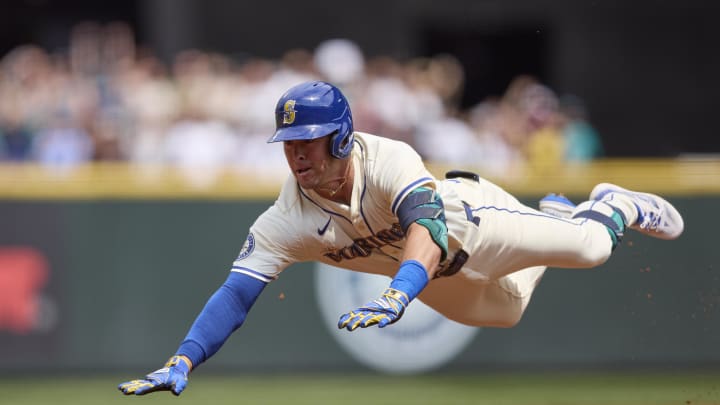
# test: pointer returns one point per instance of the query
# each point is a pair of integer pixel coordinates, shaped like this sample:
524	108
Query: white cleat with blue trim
557	205
655	216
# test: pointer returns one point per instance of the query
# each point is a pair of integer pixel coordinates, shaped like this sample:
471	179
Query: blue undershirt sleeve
411	278
224	312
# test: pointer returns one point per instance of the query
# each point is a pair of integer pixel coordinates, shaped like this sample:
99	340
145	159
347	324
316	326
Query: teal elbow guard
425	207
439	233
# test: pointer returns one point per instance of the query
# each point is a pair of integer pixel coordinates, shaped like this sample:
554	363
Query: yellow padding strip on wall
691	177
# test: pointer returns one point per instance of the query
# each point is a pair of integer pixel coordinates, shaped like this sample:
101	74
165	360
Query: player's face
310	161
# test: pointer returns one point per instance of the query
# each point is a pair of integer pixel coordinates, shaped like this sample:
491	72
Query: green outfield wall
109	280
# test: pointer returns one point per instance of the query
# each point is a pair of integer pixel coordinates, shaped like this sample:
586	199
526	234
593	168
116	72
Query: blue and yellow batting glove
381	312
173	377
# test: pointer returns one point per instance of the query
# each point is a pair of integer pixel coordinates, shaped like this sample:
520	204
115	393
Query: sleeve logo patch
248	247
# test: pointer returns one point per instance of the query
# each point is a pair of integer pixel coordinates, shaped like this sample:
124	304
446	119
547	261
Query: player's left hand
173	377
381	312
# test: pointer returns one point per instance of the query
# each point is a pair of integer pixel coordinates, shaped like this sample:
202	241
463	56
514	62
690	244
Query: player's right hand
173	377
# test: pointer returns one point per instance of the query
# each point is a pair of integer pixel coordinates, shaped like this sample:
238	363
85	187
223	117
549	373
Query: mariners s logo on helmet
289	114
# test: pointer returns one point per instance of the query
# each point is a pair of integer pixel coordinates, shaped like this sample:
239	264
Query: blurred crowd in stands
105	99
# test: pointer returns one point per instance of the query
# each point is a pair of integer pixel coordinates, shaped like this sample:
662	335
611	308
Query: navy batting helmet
312	110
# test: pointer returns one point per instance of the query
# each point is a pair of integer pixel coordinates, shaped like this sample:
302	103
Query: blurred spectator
200	148
25	85
428	103
339	61
498	154
386	101
152	103
448	140
545	144
582	142
16	142
104	99
62	143
447	77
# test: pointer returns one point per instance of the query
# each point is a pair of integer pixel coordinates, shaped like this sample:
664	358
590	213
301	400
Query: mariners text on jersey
363	247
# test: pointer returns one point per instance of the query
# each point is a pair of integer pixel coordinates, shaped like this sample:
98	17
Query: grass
475	389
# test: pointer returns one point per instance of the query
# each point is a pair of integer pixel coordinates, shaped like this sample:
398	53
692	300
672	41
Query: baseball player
462	245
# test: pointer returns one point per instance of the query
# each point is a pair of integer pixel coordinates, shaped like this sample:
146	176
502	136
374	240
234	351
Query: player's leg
516	242
513	236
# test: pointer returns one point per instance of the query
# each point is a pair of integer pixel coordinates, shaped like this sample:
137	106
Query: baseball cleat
656	217
557	205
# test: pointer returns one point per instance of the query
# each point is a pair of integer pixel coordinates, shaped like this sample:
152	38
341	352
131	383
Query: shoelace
650	219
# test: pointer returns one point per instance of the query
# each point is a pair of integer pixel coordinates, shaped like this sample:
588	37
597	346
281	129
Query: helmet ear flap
341	142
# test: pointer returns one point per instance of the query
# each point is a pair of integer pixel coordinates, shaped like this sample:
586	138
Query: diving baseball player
462	245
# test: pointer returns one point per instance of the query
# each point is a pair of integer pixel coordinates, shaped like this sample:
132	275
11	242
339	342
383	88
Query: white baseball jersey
508	243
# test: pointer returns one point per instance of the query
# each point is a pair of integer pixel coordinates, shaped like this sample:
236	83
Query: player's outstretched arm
224	312
421	253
